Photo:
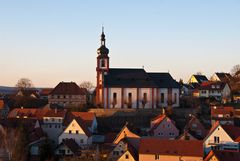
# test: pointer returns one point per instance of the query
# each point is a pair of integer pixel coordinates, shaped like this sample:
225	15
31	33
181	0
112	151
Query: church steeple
103	50
103	37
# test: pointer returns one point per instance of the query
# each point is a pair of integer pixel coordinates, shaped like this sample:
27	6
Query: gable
74	126
125	132
220	132
123	157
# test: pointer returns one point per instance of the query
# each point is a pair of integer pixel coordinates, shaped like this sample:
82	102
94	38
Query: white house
78	131
52	123
219	90
222	137
123	88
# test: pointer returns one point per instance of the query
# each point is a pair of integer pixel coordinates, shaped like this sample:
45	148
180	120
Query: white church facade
127	88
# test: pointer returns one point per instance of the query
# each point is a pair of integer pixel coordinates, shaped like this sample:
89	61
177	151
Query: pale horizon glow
53	41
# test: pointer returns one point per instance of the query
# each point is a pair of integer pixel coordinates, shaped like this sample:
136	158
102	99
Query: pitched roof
215	111
71	144
45	91
171	147
223	155
31	113
125	77
55	113
231	130
224	77
200	78
158	120
67	88
29	92
125	132
120	77
36	134
164	80
212	86
87	117
84	126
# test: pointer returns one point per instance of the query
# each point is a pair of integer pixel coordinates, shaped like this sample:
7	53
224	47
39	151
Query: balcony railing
225	144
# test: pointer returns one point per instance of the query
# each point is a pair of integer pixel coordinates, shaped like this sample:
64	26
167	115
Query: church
132	88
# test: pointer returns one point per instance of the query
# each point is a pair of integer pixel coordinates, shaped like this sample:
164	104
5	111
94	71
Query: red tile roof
212	86
158	120
87	117
45	91
68	88
223	155
215	111
232	131
55	113
32	113
171	147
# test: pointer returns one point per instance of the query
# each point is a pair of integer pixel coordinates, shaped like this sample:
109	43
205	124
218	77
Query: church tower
102	68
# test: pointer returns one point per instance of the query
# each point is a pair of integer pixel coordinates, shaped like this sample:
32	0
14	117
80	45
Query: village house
222	155
222	137
67	94
152	149
218	90
31	93
163	127
53	124
197	79
224	115
126	149
77	130
123	88
222	77
125	132
195	128
68	148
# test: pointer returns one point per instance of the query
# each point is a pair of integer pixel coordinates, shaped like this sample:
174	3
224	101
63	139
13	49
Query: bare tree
236	71
24	83
88	85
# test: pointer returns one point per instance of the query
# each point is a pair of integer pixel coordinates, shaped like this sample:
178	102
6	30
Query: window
59	120
129	97
162	97
115	98
70	131
50	126
52	119
103	63
216	139
68	151
126	156
76	131
145	97
81	140
157	157
175	98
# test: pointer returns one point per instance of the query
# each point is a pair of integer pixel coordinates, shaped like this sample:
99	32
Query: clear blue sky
49	41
